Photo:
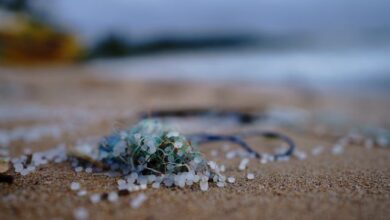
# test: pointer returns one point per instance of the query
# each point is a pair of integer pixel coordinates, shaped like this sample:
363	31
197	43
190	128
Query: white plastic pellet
196	178
220	184
95	198
156	185
24	172
244	162
212	165
250	176
80	213
317	150
151	178
82	193
18	167
300	155
337	149
204	186
230	155
88	170
137	201
113	197
121	182
231	179
143	186
75	186
30	168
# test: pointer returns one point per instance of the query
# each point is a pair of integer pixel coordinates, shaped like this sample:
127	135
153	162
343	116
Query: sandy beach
74	103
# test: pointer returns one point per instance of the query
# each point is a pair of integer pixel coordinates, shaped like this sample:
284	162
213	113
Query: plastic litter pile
151	153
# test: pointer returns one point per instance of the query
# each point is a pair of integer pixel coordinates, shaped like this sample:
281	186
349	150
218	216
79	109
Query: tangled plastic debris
150	153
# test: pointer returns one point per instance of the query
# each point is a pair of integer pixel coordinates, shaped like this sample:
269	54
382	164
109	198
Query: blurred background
323	44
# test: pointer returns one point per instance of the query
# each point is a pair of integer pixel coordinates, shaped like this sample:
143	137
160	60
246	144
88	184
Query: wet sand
353	185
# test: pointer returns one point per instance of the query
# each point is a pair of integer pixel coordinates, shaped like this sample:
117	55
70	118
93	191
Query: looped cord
238	139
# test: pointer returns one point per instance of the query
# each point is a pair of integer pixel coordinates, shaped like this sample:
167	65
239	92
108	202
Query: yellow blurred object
23	41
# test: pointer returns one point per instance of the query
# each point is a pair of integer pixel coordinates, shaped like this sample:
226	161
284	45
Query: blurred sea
364	67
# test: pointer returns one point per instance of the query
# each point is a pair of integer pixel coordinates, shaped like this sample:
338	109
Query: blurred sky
145	19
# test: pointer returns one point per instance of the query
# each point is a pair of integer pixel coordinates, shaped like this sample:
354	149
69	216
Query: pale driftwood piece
4	159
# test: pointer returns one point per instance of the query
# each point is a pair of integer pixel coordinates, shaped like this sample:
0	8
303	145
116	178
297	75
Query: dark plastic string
206	138
273	135
238	139
241	117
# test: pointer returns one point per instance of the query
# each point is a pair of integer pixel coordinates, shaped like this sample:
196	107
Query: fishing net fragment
151	148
